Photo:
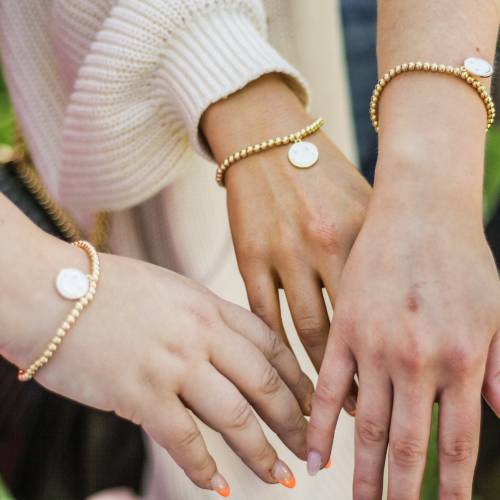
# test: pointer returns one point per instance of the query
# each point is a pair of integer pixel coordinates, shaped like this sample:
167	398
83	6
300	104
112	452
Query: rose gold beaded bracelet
473	68
301	154
71	284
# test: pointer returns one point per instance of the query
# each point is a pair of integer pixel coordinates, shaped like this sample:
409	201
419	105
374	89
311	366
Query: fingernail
219	484
283	474
327	465
314	462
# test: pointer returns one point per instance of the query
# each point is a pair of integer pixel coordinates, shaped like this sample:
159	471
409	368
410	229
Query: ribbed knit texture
138	75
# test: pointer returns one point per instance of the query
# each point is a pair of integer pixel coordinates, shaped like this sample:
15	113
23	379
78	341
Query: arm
418	305
291	228
150	345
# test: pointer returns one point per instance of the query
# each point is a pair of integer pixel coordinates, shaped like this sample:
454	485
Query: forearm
432	126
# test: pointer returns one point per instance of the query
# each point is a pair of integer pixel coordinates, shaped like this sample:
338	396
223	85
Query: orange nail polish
327	465
352	413
282	473
219	485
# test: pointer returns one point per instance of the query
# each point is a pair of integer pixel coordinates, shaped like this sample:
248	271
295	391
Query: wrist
265	108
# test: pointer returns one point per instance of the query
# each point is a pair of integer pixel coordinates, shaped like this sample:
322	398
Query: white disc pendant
72	284
478	67
303	154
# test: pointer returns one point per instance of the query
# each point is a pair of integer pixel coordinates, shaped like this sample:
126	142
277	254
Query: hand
416	314
153	344
291	228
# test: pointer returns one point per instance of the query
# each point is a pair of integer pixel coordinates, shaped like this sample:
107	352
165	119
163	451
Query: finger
175	430
263	297
242	363
307	306
351	401
275	351
491	386
459	427
371	430
334	382
409	437
221	406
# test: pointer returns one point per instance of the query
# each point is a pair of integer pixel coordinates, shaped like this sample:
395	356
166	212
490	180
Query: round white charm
303	154
72	283
478	67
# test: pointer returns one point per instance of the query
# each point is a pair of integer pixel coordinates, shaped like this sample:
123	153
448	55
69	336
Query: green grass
4	493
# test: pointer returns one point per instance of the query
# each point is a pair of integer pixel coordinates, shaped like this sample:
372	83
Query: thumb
491	385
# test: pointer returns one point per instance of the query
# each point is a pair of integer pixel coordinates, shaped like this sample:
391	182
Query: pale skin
418	307
151	345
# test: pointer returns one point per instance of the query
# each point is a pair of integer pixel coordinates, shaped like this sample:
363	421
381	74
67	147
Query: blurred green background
491	202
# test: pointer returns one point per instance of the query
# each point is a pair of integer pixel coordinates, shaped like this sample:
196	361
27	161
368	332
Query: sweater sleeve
149	74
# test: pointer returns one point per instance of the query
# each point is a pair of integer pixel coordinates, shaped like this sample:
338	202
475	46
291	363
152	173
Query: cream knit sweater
109	94
122	86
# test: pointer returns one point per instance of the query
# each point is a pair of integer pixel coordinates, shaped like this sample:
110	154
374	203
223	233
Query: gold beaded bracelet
473	68
72	284
301	154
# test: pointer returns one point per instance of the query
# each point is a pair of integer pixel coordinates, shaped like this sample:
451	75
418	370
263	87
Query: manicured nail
283	474
219	484
327	465
314	462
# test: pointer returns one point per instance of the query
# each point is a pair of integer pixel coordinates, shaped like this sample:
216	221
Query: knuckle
240	416
413	360
251	251
326	395
264	454
271	381
273	344
312	331
365	488
202	469
324	233
370	432
186	438
454	492
407	451
461	360
205	314
458	450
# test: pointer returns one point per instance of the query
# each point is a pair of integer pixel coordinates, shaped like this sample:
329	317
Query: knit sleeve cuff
213	57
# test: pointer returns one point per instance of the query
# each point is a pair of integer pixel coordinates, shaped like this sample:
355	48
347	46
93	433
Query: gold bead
44	360
387	77
270	143
48	354
249	150
236	156
226	163
426	66
441	68
256	148
65	326
449	69
470	80
52	345
243	153
84	300
392	73
285	140
404	67
434	67
411	66
263	146
278	141
231	159
418	65
378	88
398	69
457	71
70	320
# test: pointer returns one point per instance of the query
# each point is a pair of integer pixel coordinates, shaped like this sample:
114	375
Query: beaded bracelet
72	284
301	154
473	67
